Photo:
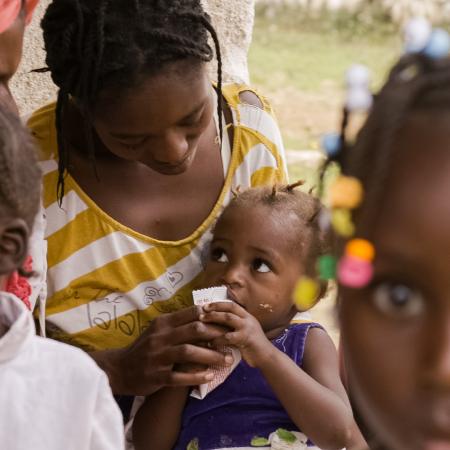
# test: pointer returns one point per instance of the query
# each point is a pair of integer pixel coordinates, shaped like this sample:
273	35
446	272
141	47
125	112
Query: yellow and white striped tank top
105	281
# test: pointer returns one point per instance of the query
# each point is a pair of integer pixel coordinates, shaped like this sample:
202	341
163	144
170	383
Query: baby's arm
314	397
328	422
157	422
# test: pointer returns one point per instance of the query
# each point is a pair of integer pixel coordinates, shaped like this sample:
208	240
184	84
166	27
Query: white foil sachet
203	297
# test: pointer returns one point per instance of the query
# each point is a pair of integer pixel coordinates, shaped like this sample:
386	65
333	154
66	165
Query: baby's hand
246	332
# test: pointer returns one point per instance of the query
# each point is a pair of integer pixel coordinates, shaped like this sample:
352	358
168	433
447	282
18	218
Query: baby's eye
398	300
261	266
219	255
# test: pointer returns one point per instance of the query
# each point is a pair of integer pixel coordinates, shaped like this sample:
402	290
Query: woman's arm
147	365
157	423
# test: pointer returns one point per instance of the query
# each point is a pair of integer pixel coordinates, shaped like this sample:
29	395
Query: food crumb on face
266	306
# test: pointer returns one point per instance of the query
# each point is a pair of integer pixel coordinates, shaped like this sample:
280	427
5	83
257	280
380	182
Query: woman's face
10	54
396	331
160	123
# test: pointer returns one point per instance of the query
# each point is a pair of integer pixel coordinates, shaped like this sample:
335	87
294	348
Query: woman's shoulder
41	124
241	95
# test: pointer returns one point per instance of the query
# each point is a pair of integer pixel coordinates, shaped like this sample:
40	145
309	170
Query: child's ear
13	245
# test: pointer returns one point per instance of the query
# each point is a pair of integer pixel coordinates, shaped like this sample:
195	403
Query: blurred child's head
19	192
396	330
12	27
14	14
266	238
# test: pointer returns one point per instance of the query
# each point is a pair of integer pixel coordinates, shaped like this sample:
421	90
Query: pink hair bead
354	272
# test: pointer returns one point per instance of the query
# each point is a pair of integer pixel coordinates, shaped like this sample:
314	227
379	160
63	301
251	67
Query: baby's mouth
232	296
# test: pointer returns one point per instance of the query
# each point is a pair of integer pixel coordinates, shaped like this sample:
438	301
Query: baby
288	379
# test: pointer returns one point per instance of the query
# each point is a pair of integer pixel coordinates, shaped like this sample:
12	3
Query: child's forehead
253	215
262	224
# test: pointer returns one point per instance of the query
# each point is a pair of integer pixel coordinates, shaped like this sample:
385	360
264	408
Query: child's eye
398	300
219	255
261	266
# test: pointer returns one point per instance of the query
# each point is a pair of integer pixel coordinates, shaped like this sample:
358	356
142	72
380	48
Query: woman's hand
148	364
246	333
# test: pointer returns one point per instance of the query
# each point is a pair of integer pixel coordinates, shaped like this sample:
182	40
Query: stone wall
232	18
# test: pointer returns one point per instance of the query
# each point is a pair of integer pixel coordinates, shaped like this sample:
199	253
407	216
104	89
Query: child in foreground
52	396
288	377
395	311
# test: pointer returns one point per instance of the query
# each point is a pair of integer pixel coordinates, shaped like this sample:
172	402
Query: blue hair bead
417	34
331	143
438	45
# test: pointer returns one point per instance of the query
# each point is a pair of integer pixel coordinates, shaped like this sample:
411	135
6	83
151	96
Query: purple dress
244	406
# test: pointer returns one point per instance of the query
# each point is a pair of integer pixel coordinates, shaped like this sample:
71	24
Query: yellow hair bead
341	220
361	249
305	293
346	192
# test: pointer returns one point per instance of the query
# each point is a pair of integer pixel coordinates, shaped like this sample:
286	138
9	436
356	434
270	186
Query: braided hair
20	176
96	44
416	83
300	210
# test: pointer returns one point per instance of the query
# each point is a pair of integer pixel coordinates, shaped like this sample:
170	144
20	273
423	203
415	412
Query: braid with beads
96	44
415	84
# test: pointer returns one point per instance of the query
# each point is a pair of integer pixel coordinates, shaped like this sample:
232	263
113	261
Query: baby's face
396	331
254	255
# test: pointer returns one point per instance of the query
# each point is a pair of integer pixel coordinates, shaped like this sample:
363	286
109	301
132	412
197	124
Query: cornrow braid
92	45
416	83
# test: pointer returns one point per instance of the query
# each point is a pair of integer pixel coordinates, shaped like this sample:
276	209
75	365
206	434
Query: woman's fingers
195	332
187	353
231	307
233	338
180	318
228	319
173	378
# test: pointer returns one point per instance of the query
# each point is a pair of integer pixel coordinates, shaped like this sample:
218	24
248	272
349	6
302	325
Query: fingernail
229	360
201	317
209	376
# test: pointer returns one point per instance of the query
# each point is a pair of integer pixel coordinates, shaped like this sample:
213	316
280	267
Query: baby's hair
95	44
286	201
416	83
20	176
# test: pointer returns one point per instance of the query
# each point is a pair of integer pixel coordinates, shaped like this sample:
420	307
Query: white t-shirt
52	396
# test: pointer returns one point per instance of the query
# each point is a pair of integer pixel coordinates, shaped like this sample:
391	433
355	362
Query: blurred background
300	52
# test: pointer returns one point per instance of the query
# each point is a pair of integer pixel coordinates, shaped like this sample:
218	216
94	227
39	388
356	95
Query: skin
10	53
160	174
254	256
155	152
396	332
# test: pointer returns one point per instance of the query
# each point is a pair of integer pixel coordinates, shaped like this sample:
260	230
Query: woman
137	168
